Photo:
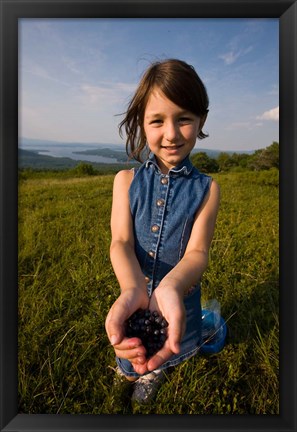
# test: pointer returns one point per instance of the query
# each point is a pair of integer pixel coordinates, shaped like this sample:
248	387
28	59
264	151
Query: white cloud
113	92
272	114
41	72
231	56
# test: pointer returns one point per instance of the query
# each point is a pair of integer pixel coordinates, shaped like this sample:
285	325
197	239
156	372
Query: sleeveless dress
163	208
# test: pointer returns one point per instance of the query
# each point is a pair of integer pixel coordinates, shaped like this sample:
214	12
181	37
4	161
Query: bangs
182	88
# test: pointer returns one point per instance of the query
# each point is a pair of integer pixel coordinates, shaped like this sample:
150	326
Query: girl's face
170	130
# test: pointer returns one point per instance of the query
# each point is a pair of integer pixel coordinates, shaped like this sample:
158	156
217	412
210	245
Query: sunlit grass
66	287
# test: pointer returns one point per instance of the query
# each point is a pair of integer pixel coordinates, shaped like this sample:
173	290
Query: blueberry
150	327
158	320
164	323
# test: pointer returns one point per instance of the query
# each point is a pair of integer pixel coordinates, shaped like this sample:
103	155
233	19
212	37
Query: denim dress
163	208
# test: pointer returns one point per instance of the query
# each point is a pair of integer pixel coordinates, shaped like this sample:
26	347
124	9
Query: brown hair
180	83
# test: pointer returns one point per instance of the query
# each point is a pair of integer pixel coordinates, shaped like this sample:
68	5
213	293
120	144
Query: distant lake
68	150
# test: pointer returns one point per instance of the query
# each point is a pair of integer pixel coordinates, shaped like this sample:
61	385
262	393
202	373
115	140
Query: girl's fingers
130	349
140	368
176	331
114	322
136	355
128	344
159	358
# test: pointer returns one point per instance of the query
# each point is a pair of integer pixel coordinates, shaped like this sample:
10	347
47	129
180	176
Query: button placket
163	203
160	204
156	224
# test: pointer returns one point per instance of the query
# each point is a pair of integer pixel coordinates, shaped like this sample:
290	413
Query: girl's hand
169	302
128	348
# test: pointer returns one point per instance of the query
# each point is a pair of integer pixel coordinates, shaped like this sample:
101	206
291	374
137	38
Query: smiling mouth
173	147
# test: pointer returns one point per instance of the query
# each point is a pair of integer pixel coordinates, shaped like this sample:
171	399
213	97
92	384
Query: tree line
262	159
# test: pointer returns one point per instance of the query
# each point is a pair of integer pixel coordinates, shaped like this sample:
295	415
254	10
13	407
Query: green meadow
67	285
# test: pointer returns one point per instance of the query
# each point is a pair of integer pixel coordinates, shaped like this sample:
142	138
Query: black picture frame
11	12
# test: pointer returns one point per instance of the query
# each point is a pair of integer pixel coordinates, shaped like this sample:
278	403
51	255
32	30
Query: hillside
29	156
32	160
66	286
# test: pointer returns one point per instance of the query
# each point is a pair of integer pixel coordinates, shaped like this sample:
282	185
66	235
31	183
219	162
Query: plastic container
214	328
216	342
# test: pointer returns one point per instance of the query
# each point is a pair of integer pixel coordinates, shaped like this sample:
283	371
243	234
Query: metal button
147	279
164	180
155	228
160	202
151	253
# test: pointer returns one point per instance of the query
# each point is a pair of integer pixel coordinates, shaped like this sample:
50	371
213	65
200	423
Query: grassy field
66	287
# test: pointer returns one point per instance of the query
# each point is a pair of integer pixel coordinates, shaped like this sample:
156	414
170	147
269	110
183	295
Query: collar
183	168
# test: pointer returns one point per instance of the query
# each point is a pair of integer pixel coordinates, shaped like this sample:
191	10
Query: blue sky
77	75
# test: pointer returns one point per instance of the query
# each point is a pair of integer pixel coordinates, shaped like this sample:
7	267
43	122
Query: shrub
83	169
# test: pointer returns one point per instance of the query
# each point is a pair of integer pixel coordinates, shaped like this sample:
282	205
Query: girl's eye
185	119
157	121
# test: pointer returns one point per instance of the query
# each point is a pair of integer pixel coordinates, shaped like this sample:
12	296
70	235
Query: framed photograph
17	123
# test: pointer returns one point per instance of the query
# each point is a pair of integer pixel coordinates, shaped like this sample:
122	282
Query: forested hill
206	160
31	159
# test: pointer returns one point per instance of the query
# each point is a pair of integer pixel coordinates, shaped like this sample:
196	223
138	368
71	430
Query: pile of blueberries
150	327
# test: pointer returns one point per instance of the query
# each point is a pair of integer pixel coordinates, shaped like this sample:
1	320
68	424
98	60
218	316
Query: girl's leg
132	379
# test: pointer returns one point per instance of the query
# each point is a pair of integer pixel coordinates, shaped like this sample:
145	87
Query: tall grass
66	287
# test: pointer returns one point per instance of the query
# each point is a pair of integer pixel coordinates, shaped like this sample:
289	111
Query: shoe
147	386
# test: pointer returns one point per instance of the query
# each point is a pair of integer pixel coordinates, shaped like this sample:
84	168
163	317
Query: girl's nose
171	132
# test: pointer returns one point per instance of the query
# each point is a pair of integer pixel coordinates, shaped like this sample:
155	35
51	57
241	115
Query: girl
162	222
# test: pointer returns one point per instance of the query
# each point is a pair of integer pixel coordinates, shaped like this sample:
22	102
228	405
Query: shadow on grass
252	312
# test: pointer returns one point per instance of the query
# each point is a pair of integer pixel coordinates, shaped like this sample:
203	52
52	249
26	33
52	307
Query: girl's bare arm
124	261
128	272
